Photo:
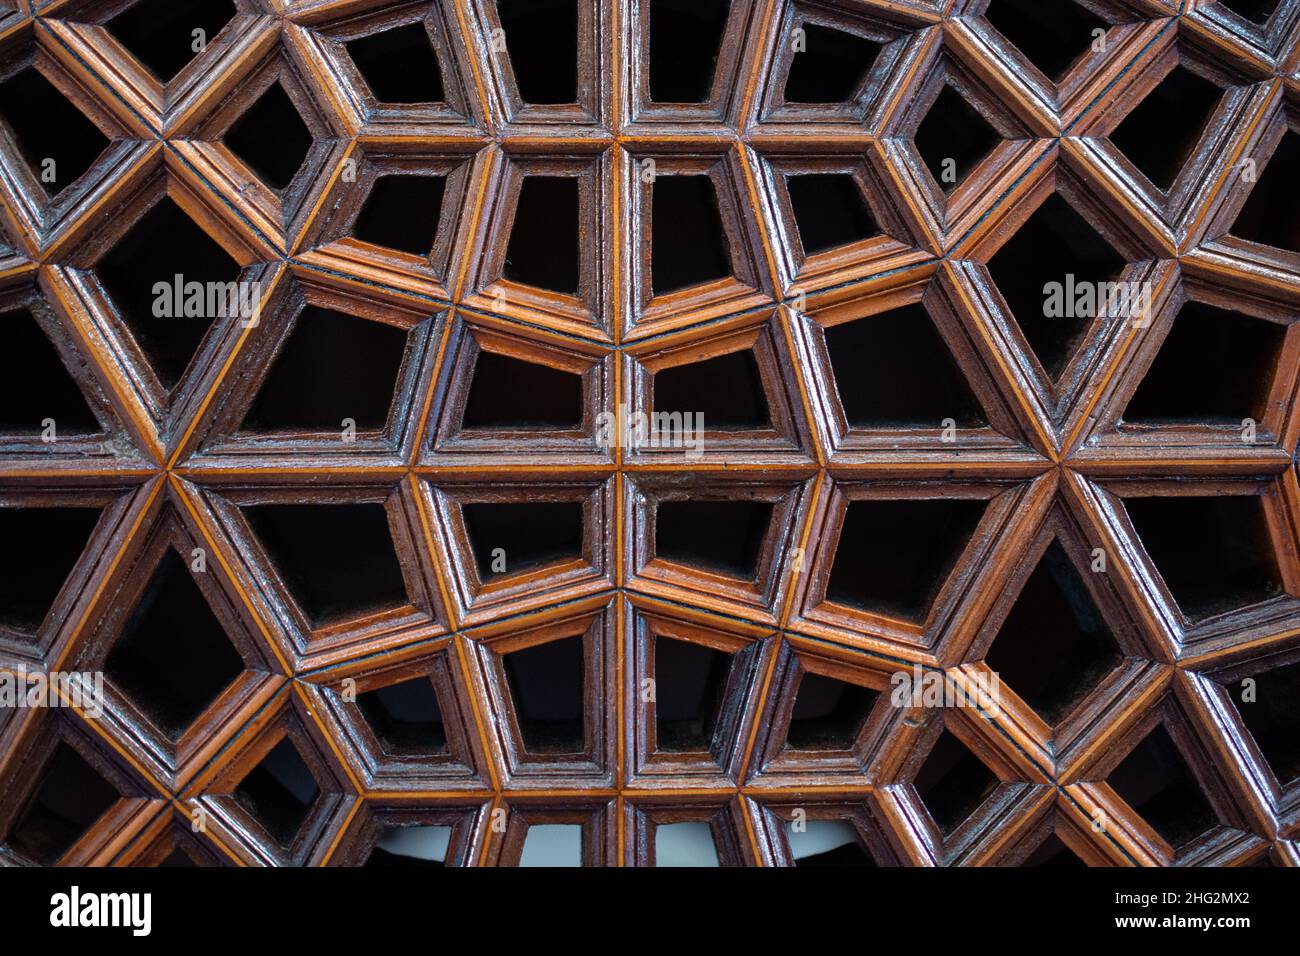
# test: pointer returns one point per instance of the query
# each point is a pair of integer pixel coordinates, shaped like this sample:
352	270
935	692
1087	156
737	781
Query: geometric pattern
428	598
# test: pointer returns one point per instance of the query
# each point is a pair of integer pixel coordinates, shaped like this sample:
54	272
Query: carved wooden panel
751	432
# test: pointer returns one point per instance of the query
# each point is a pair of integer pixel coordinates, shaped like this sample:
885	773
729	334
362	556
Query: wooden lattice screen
331	331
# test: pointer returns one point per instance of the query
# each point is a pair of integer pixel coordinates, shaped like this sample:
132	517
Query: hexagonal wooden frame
1054	450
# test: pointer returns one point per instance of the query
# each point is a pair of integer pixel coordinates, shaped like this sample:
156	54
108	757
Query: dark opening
688	244
507	392
953	782
336	559
1155	781
399	65
402	213
71	797
1054	854
1051	35
544	248
333	366
279	792
1055	246
164	244
525	534
894	555
850	854
831	66
542	40
45	125
406	718
35	384
819	833
829	211
1256	11
427	841
546	686
1272	212
953	130
177	859
1214	553
160	33
893	370
173	658
726	391
1214	366
725	536
685	39
31	577
1273	718
1054	646
690	681
828	713
271	138
1160	133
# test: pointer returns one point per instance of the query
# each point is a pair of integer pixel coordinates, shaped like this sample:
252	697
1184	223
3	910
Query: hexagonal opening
829	211
35	385
271	138
542	42
1271	712
1051	36
1271	215
547	690
163	244
512	536
1256	11
690	843
507	392
1214	552
926	537
831	65
1161	132
58	141
162	34
411	847
1231	358
690	682
953	783
866	355
953	138
406	717
552	844
726	390
545	247
399	65
688	244
173	658
402	212
31	578
835	843
1155	781
337	560
828	714
685	40
1054	646
70	797
332	367
1054	247
280	792
717	535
